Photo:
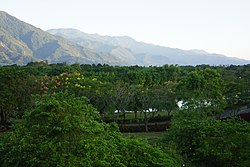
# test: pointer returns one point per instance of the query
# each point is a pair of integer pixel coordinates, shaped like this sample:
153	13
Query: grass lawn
152	137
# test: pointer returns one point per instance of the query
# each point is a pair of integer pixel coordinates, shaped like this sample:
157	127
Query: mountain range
21	43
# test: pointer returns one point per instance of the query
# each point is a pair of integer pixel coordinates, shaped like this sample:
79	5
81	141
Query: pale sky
216	26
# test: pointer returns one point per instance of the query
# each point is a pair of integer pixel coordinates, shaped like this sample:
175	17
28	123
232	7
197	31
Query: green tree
121	98
63	130
14	97
202	90
208	142
237	90
135	96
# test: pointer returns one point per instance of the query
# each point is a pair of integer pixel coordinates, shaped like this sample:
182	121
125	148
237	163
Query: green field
151	137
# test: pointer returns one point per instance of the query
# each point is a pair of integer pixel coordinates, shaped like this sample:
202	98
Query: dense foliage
202	90
14	99
62	130
53	115
209	142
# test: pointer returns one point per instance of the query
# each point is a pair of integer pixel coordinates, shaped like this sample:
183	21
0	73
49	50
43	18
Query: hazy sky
217	26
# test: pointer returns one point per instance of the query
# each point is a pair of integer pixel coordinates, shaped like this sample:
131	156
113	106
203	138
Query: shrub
63	130
212	142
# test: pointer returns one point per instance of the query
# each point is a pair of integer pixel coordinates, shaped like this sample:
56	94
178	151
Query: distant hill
21	43
142	53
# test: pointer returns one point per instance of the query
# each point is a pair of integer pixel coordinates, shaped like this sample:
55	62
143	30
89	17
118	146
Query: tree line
134	88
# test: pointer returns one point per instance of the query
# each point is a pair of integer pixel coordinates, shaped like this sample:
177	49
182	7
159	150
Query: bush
63	130
211	142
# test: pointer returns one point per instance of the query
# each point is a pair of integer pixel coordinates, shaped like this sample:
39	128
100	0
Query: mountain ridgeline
21	43
142	53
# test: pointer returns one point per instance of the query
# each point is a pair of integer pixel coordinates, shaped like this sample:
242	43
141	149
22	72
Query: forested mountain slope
21	43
